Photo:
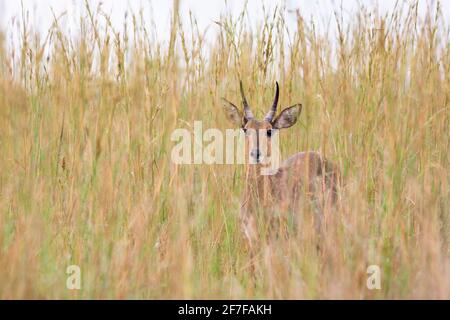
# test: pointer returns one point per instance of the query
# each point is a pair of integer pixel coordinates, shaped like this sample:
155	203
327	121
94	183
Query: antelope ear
288	117
232	112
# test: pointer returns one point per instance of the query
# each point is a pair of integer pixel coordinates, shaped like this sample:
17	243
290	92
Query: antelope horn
269	116
247	112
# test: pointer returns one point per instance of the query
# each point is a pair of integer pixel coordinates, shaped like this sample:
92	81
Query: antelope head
259	132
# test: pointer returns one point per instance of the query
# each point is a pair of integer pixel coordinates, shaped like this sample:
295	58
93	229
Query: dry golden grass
86	176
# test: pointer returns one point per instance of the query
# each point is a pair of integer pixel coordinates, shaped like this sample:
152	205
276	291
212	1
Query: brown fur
305	173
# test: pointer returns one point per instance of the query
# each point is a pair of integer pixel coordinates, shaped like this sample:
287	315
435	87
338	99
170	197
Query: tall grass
86	176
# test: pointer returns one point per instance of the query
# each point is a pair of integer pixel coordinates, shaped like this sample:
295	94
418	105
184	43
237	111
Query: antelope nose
255	153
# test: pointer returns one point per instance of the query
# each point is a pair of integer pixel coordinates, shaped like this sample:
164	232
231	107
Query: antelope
306	171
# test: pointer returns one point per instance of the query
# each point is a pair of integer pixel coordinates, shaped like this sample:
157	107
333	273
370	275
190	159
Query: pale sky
206	11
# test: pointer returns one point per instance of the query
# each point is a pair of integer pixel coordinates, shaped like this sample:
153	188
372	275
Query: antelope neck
257	186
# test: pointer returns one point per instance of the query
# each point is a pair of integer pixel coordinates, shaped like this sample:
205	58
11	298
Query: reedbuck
303	174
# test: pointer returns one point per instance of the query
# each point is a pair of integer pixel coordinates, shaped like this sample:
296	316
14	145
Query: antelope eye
269	133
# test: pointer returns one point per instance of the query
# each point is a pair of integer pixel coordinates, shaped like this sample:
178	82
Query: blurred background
206	12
